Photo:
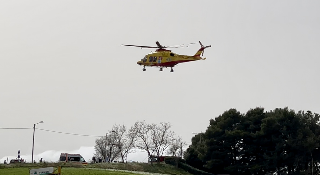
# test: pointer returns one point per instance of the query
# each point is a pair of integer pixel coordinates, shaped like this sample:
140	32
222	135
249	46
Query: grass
64	171
94	169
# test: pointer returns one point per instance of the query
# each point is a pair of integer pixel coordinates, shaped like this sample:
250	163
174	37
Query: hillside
135	167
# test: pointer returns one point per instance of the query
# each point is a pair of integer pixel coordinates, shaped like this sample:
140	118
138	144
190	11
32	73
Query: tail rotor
201	44
201	47
201	50
204	47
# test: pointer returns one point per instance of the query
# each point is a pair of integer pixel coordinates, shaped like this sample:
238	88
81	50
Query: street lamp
34	129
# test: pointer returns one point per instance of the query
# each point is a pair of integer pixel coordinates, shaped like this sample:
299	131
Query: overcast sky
62	62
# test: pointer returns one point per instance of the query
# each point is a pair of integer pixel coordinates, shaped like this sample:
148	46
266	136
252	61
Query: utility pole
34	130
106	148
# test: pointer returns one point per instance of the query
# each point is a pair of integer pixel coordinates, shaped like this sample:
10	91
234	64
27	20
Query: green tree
223	143
258	142
195	151
251	158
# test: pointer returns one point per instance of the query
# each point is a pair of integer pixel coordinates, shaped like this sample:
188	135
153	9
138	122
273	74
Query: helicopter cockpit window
171	54
150	59
144	59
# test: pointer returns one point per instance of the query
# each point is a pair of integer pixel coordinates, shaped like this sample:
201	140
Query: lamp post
34	130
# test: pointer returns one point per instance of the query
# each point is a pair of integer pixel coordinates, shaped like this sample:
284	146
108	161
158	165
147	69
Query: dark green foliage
257	142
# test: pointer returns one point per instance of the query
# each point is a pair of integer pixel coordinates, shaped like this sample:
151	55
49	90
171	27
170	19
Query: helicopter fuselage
166	58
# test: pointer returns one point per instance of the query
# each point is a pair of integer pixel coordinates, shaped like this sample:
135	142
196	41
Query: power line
58	132
67	133
15	128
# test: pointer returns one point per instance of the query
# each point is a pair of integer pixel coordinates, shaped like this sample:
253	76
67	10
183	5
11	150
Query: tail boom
201	50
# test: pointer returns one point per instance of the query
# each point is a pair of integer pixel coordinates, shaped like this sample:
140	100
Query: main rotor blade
159	45
181	45
170	47
140	46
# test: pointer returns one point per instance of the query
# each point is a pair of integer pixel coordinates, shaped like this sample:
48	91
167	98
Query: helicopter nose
139	62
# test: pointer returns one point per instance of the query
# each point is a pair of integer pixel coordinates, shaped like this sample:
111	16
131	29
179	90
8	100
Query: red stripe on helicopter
171	64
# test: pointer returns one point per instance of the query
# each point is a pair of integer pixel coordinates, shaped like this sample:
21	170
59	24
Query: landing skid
161	69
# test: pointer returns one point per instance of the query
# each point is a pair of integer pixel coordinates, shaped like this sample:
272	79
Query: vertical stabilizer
201	50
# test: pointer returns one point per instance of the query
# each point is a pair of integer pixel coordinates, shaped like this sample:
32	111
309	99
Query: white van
77	158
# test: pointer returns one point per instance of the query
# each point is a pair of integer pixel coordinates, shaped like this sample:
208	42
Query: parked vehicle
17	161
76	158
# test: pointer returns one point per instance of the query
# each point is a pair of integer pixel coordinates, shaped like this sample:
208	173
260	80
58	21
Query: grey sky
62	62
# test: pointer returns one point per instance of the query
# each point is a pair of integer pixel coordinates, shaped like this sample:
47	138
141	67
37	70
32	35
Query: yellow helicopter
165	58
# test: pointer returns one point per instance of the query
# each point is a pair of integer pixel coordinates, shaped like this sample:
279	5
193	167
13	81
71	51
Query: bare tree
161	138
154	139
116	144
124	141
176	147
105	147
100	148
113	139
128	142
143	131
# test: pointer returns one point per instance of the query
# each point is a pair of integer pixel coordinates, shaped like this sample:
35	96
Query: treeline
155	139
258	142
